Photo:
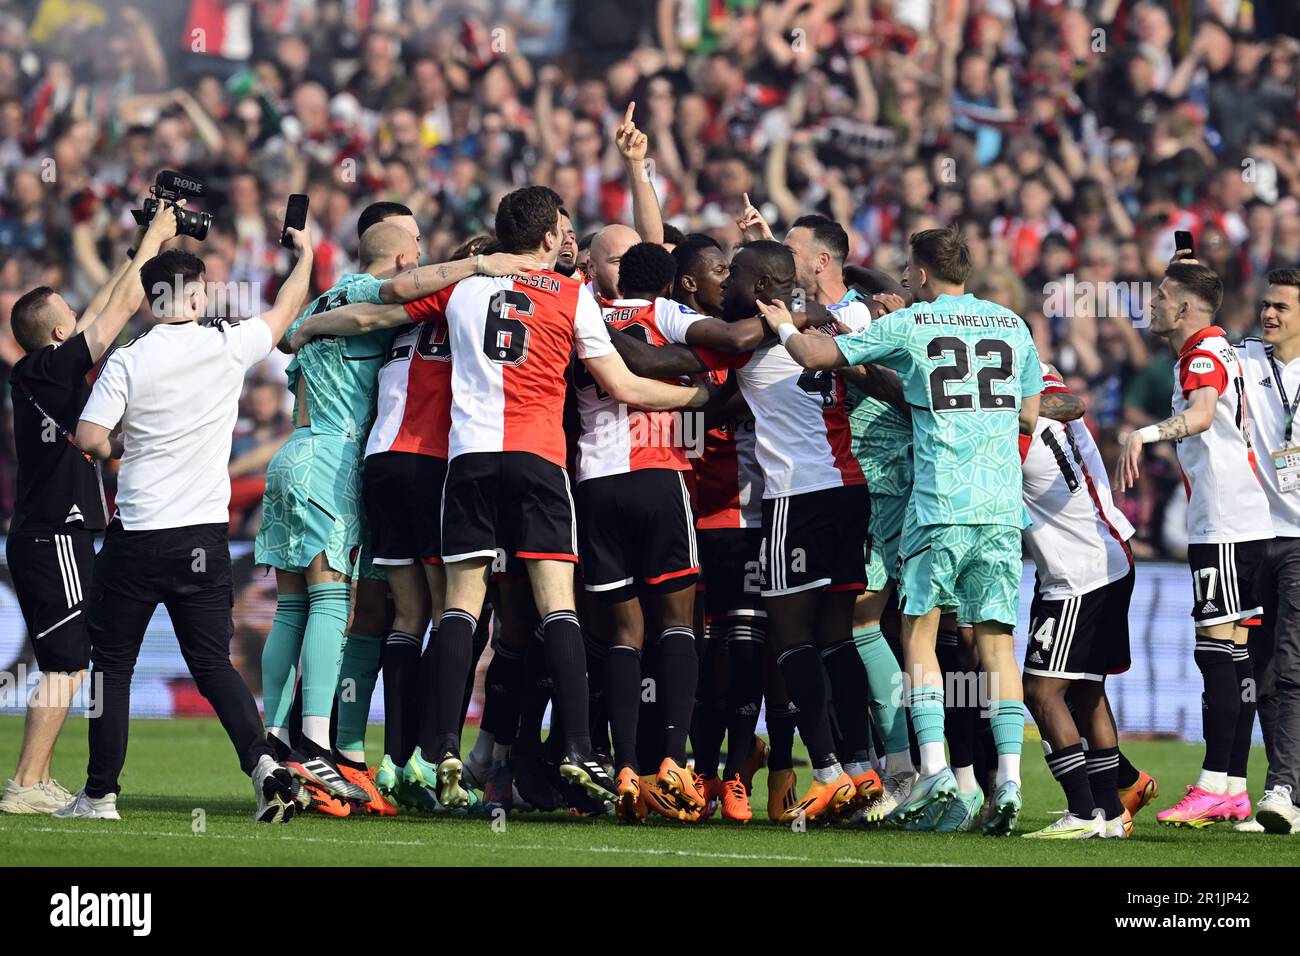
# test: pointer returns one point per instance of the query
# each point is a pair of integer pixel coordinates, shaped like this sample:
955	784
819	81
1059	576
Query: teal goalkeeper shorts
887	512
971	569
312	504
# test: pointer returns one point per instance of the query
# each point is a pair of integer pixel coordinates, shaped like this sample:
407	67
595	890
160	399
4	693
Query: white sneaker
1070	827
1249	826
60	792
84	807
273	789
894	790
34	799
1119	828
1276	813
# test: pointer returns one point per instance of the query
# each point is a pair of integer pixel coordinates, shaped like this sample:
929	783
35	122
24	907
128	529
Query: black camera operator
60	504
175	391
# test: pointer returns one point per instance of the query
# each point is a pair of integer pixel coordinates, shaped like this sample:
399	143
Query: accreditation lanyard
1286	460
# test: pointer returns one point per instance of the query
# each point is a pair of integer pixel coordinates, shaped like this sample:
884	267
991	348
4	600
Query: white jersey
800	422
1077	537
1271	387
1225	498
615	439
175	389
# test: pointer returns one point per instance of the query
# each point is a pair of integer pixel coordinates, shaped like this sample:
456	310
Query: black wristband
130	253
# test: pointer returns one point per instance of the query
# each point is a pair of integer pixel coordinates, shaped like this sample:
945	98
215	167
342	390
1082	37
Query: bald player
311	528
607	250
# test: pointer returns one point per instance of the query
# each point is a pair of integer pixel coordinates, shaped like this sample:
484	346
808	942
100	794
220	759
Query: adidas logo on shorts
1035	658
1209	607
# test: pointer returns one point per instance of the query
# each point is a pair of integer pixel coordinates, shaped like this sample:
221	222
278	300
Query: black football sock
597	705
400	663
482	634
1245	668
1220	703
536	697
1127	774
744	692
708	716
446	662
851	694
623	699
801	668
503	688
1103	777
679	671
780	735
958	727
566	659
279	749
1070	768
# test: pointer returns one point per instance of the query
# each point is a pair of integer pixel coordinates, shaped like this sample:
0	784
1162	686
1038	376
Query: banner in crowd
1160	694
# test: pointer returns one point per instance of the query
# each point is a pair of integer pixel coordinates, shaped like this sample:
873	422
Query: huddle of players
764	531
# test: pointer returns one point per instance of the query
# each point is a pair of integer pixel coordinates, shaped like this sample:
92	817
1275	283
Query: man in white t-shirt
174	390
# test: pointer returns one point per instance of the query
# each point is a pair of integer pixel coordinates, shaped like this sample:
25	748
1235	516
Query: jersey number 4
941	400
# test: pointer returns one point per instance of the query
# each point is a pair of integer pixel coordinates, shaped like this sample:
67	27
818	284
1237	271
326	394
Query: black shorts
512	501
636	532
1223	581
816	540
52	576
729	565
402	493
1081	638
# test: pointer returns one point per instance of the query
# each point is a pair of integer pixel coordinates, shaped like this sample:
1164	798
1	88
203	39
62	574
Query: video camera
170	187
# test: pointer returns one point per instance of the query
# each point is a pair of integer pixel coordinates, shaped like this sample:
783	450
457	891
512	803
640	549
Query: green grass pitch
184	802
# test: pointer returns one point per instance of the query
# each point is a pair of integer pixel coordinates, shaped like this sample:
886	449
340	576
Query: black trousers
1275	653
187	570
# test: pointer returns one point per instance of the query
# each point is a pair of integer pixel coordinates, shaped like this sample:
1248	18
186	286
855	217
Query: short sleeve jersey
965	365
340	371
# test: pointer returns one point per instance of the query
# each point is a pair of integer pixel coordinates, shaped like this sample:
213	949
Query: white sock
317	730
1236	785
933	758
356	756
829	774
1214	781
856	769
1008	768
966	781
900	762
482	752
500	753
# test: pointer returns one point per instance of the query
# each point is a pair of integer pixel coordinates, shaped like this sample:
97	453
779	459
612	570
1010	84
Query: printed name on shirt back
967	321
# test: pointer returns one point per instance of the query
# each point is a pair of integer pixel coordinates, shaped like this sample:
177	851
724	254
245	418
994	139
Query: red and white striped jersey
1225	501
728	481
1077	537
801	426
512	338
616	439
413	399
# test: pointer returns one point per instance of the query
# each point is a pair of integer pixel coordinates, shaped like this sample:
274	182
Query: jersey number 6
505	338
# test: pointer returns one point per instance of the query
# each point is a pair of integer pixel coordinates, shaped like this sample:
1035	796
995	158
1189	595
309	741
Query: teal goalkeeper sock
885	678
280	658
926	704
322	657
1007	718
357	679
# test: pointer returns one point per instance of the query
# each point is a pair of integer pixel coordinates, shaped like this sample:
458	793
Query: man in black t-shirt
60	502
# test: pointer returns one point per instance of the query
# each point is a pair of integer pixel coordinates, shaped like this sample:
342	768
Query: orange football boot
782	791
654	800
679	783
629	806
755	762
365	779
735	801
1143	791
317	800
822	800
867	787
712	791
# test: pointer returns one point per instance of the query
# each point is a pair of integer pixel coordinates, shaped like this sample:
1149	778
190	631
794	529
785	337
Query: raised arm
613	375
425	280
647	217
293	294
107	324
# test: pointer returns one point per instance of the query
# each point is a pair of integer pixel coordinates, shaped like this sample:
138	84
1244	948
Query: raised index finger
627	117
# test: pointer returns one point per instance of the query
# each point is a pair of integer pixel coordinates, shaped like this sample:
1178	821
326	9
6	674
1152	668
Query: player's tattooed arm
667	361
1060	406
1196	418
351	319
426	280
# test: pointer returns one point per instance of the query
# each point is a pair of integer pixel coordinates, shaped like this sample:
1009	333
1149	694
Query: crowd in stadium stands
1068	139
